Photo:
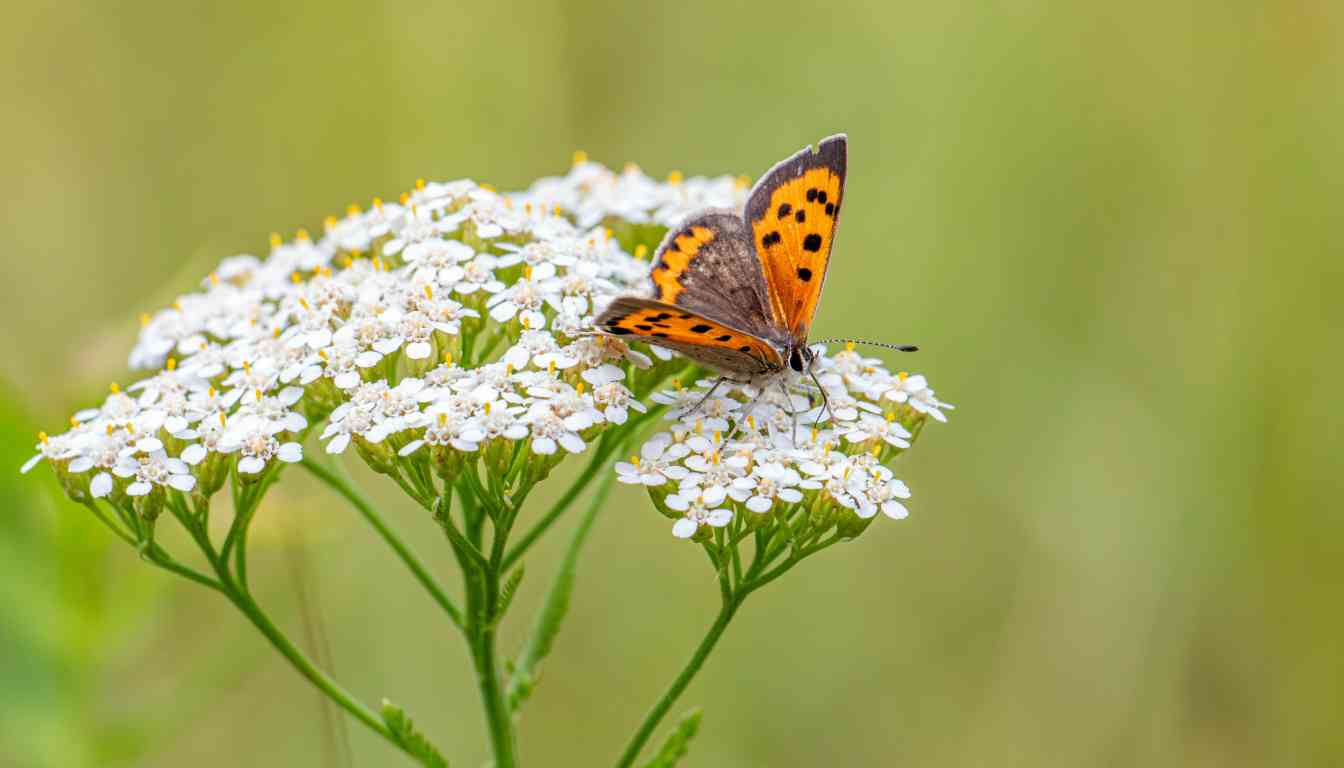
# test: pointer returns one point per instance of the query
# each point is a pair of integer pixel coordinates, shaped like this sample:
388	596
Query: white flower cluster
792	451
454	323
367	327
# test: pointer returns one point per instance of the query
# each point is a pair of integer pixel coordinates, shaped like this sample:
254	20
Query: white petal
758	504
101	485
138	488
714	494
78	466
719	518
338	444
29	464
290	453
194	453
677	502
418	350
572	442
684	528
410	447
543	445
895	510
250	465
790	495
182	482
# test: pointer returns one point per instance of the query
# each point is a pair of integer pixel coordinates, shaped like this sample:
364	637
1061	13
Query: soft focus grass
1114	230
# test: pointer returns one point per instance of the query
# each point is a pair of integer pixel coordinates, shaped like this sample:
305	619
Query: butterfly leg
825	401
745	414
705	399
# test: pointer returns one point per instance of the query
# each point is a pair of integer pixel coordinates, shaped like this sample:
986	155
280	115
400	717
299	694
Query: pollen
448	359
718	437
322	353
329	223
443	419
115	389
641	251
742	182
903	375
579	387
633	458
891	416
404	198
877	451
223	422
295	277
487	408
42	438
73	422
352	209
378	204
429	292
508	369
527	272
606	234
580	157
420	184
302	235
550	367
674	177
144	319
214	278
172	364
849	346
276	240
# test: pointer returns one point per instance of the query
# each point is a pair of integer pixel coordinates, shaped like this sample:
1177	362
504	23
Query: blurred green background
1114	228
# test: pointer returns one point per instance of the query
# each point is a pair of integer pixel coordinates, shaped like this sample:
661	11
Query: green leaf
677	742
408	738
510	589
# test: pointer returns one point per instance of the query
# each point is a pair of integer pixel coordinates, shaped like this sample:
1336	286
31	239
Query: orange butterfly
737	292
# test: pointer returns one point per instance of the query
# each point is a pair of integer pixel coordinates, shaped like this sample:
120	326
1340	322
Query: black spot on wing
744	348
644	327
804	274
618	330
821	196
830	209
812	242
812	195
801	216
770	238
784	209
701	328
724	337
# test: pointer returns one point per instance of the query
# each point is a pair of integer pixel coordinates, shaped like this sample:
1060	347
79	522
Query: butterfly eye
796	360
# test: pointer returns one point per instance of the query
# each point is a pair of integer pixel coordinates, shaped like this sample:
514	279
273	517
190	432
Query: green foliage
507	593
678	742
410	739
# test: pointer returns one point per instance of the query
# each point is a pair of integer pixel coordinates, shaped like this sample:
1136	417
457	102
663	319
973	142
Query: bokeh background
1114	228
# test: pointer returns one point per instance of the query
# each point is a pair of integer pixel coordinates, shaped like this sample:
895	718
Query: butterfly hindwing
705	341
793	212
708	266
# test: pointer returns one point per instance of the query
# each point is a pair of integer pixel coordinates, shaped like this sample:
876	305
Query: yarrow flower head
452	328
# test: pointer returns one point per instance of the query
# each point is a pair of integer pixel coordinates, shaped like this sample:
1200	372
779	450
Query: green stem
305	667
389	537
664	703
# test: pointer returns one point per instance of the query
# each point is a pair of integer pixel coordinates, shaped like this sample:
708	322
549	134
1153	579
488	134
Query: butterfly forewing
709	266
793	211
706	341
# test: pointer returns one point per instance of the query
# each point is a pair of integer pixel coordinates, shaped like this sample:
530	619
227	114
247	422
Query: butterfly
736	292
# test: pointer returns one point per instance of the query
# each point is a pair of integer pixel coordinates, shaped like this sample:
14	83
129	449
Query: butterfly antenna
884	345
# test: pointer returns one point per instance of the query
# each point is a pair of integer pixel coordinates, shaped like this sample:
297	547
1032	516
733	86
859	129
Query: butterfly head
801	358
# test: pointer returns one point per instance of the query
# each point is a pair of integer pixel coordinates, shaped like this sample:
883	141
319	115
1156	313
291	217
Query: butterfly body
737	292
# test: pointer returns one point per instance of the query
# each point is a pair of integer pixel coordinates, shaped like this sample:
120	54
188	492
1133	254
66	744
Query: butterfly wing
709	267
708	342
793	212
